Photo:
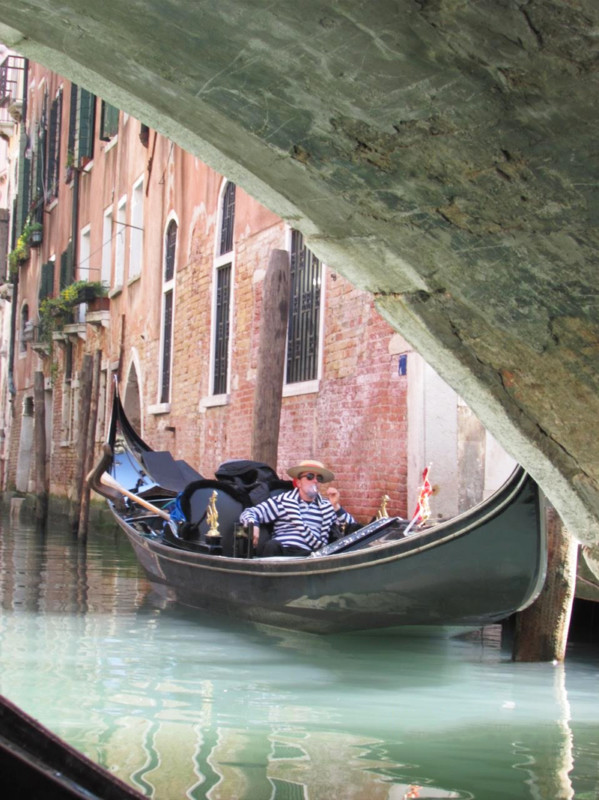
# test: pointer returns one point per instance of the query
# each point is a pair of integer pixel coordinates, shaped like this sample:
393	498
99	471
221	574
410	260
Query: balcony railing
12	72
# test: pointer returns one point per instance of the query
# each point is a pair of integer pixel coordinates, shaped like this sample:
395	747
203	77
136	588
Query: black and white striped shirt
297	523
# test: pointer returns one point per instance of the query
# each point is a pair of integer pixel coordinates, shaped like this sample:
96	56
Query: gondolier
302	518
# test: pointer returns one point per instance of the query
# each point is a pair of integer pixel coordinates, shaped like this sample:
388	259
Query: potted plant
35	232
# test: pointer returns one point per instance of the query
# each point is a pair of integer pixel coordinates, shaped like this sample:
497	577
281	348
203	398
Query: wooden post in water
271	360
541	632
90	446
85	388
39	436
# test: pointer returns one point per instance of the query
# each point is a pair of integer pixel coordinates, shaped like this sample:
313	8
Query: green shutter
47	280
24	183
109	123
72	125
52	171
87	108
67	271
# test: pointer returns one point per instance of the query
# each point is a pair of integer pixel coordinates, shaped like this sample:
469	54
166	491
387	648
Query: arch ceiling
441	154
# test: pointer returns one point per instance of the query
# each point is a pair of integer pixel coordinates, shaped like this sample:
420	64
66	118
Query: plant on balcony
35	233
20	254
56	312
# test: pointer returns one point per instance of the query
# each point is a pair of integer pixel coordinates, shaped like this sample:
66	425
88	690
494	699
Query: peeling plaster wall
440	154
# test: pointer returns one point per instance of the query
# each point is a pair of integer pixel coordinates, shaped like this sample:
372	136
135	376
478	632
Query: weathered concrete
441	154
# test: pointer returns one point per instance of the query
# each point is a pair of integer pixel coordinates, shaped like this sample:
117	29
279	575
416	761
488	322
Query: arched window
223	286
168	287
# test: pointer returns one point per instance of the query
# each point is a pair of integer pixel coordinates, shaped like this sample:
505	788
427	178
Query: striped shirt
297	523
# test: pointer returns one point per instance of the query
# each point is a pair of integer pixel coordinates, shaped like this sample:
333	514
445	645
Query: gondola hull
446	576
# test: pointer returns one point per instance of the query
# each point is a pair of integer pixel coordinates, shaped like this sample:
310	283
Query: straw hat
311	466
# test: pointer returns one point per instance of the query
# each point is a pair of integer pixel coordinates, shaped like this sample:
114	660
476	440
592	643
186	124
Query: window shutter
47	281
72	140
109	121
53	165
87	108
67	272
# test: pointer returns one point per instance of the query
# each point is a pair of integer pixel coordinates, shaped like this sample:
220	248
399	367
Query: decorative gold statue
382	512
212	516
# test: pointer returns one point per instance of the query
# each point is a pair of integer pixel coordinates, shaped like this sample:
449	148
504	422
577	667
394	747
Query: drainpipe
15	281
75	219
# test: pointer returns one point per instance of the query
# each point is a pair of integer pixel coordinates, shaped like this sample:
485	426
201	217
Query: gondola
469	571
36	763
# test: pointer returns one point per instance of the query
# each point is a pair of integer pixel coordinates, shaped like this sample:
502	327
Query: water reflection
182	707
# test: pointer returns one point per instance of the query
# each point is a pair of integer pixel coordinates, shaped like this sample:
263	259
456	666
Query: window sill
303	387
214	400
159	408
115	291
111	142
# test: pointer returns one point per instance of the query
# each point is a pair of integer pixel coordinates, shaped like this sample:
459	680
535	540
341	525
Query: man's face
308	485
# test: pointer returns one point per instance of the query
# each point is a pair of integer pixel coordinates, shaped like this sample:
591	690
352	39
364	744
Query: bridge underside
441	154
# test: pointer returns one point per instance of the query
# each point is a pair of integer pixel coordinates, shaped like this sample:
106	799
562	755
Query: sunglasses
311	475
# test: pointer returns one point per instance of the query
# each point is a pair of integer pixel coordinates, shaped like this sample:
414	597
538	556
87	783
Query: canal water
184	706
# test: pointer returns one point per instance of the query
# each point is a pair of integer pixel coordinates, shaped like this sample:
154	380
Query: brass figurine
382	512
212	516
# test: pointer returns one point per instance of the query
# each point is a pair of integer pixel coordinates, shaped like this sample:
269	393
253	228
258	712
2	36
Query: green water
185	707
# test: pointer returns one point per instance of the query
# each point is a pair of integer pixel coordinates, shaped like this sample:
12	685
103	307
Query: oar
109	481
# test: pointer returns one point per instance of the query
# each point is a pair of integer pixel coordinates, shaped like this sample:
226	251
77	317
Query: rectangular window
67	268
84	253
53	159
109	121
136	233
82	118
221	337
47	280
167	341
304	312
84	273
39	155
121	230
107	227
86	125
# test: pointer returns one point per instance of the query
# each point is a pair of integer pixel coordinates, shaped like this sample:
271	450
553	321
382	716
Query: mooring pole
39	435
85	387
541	632
271	360
90	445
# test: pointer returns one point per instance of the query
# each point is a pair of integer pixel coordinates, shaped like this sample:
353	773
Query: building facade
182	252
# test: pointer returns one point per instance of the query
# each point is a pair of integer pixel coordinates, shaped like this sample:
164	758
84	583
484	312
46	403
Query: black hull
466	572
37	764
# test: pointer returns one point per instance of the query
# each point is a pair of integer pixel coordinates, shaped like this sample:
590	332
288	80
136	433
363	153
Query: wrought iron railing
12	71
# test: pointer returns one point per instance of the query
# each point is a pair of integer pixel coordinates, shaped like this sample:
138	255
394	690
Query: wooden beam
541	632
271	360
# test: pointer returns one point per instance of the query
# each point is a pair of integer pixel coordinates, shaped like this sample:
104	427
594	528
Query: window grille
170	250
304	312
169	256
167	340
221	348
228	220
24	321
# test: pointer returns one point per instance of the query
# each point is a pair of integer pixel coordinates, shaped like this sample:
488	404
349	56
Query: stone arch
429	173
